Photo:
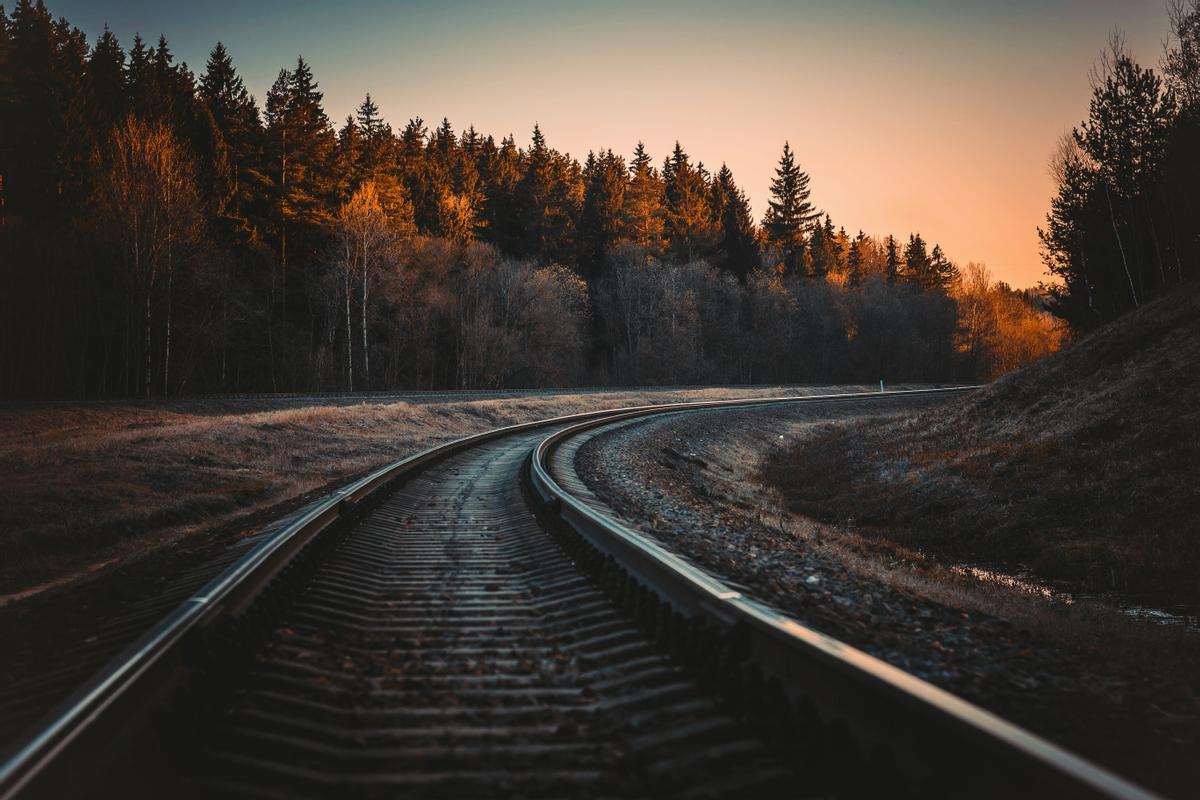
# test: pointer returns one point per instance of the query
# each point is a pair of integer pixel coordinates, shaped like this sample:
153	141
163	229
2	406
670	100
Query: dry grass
1084	468
1046	617
1119	691
91	485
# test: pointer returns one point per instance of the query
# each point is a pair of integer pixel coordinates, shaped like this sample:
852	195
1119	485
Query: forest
1124	224
162	233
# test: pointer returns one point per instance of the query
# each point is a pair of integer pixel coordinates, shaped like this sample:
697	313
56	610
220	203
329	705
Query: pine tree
349	158
236	116
917	266
1126	136
412	143
1181	167
501	211
164	79
1080	293
643	208
891	260
440	155
738	250
824	255
854	261
310	188
370	124
603	201
371	153
690	228
377	156
443	141
415	173
45	132
457	197
944	271
301	147
789	214
139	79
549	197
106	66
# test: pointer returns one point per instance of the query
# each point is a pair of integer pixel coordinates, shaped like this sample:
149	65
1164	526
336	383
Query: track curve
431	631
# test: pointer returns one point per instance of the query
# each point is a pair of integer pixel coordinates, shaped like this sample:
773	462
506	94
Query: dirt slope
1083	468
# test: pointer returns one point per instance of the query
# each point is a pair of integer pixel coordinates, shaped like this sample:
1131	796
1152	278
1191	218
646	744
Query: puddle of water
1136	606
1156	613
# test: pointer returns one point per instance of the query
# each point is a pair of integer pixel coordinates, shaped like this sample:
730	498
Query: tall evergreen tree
376	159
690	228
416	173
854	261
349	158
139	78
917	266
944	271
1180	198
824	255
605	183
548	196
370	124
45	135
236	116
1125	136
790	214
106	66
309	188
643	208
891	264
736	244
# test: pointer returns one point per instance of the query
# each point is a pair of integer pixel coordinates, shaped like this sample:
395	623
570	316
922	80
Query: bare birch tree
365	242
147	206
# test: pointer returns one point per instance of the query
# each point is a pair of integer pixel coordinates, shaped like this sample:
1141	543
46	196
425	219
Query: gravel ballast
690	481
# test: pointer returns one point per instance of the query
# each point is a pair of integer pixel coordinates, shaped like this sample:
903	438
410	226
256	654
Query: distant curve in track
455	638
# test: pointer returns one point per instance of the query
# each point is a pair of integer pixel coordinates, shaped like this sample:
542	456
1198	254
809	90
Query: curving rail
936	740
929	732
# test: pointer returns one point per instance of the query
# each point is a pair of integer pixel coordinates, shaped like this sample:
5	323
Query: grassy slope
86	486
1084	467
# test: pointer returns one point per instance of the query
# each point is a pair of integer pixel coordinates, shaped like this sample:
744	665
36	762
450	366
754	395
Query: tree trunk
1162	272
167	343
1175	239
146	320
349	267
365	350
283	314
1121	247
270	331
283	255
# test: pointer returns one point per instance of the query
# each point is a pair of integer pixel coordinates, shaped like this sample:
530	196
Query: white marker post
881	385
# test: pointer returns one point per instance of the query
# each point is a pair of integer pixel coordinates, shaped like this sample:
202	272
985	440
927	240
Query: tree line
162	233
1124	224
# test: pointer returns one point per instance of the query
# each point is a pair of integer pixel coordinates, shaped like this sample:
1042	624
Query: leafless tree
147	206
365	241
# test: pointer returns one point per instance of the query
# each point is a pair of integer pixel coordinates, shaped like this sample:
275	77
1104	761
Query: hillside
1083	469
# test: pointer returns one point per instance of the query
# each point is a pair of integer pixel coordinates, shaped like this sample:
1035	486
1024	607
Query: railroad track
445	628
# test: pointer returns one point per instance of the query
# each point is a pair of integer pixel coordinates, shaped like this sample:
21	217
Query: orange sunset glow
643	398
930	116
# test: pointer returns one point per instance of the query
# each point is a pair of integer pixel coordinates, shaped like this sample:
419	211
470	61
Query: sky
932	116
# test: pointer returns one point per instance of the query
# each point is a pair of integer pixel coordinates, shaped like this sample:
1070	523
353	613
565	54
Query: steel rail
129	685
935	737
